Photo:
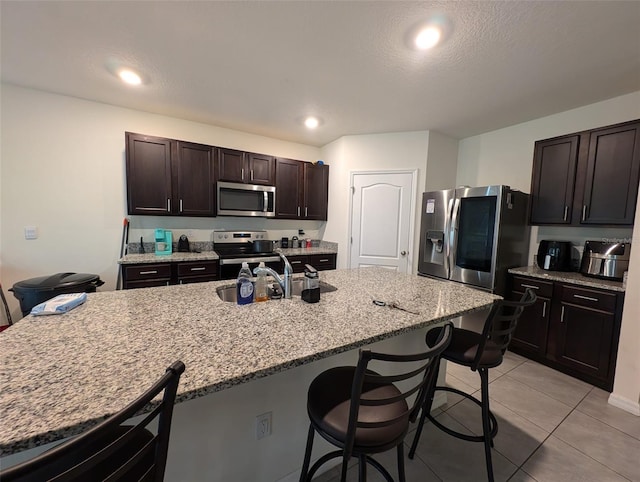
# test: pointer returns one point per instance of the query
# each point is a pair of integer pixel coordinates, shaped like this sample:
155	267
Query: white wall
432	154
505	156
63	170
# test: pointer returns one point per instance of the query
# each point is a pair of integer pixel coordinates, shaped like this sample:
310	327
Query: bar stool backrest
501	323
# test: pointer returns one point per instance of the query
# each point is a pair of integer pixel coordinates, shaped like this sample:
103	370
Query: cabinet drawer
322	262
597	299
297	263
540	288
147	271
197	268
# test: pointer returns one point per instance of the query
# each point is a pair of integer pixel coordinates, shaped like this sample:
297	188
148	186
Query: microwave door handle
265	204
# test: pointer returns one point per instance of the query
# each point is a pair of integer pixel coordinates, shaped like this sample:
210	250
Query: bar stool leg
307	454
426	409
401	474
362	469
486	422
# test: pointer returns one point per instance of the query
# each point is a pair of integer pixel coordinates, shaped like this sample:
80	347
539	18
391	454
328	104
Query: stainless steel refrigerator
473	235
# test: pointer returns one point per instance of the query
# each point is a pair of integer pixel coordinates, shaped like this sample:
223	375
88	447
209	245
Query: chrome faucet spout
288	273
285	280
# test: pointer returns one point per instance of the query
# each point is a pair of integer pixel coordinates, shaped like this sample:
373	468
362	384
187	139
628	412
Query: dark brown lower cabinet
321	262
164	274
575	330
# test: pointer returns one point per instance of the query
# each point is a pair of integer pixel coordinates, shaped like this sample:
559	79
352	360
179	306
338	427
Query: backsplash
577	236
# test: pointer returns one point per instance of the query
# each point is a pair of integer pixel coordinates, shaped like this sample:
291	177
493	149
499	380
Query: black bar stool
111	451
478	351
363	412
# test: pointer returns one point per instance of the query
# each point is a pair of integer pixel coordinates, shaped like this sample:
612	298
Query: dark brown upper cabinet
302	190
587	178
166	177
245	167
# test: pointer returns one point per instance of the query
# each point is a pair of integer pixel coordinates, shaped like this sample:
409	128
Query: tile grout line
563	441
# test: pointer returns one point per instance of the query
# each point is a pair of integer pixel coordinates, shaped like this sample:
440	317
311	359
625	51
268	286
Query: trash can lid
55	281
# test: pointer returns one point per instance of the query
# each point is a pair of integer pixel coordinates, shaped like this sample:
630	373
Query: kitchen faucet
284	281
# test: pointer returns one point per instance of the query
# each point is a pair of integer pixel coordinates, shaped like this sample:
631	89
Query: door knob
403	253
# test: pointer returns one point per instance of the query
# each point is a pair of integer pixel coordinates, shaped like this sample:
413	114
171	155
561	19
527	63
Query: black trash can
32	292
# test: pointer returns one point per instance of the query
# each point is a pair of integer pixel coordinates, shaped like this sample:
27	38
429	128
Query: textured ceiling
260	66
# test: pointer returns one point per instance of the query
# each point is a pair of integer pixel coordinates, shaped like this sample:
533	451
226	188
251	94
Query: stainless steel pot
262	246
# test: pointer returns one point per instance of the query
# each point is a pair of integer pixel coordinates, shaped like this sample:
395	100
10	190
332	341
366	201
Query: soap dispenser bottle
244	285
261	284
311	286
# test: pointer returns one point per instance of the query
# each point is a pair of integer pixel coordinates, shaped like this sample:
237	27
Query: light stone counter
568	277
61	374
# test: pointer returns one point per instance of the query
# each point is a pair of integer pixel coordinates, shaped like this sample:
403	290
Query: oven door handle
257	259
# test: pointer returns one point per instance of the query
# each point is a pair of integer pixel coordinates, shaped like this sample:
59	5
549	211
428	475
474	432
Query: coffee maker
163	239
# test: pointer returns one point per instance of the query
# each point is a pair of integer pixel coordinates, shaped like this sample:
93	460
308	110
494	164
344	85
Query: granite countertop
61	374
176	257
568	277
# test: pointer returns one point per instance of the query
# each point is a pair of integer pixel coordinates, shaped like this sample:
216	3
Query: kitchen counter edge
568	277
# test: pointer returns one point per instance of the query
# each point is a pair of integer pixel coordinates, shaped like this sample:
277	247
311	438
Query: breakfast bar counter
61	374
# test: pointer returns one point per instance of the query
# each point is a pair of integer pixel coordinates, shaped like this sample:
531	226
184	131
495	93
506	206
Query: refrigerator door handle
453	233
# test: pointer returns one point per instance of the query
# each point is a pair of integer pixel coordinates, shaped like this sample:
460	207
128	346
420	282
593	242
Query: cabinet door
552	185
316	191
613	172
261	169
148	161
231	166
194	179
289	188
530	335
585	338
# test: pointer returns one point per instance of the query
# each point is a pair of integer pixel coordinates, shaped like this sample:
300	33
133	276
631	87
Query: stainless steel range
236	247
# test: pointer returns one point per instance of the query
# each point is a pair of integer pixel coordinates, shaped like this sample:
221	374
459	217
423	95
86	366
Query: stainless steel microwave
235	199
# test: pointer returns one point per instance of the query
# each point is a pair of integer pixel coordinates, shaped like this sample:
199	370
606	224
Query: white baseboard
625	404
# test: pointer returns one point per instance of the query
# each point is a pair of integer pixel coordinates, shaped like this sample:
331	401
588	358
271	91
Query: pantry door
381	222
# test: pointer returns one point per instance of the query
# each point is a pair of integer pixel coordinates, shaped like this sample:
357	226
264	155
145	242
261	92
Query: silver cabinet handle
251	172
242	173
149	272
323	260
168	205
306	211
530	286
180	205
584	212
298	211
295	262
202	268
562	315
589	298
544	309
566	212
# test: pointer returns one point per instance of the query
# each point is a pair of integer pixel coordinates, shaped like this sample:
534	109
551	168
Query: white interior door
382	213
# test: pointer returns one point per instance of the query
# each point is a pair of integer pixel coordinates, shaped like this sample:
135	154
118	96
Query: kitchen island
62	374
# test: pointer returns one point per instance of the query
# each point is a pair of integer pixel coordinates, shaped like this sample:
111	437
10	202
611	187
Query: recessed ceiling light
130	77
428	38
312	122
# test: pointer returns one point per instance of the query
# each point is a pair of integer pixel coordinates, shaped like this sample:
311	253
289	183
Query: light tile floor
552	428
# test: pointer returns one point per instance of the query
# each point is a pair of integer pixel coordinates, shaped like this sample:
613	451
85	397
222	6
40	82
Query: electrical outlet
30	232
263	425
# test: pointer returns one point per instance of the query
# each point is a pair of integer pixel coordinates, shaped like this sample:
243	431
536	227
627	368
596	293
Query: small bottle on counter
261	285
244	285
